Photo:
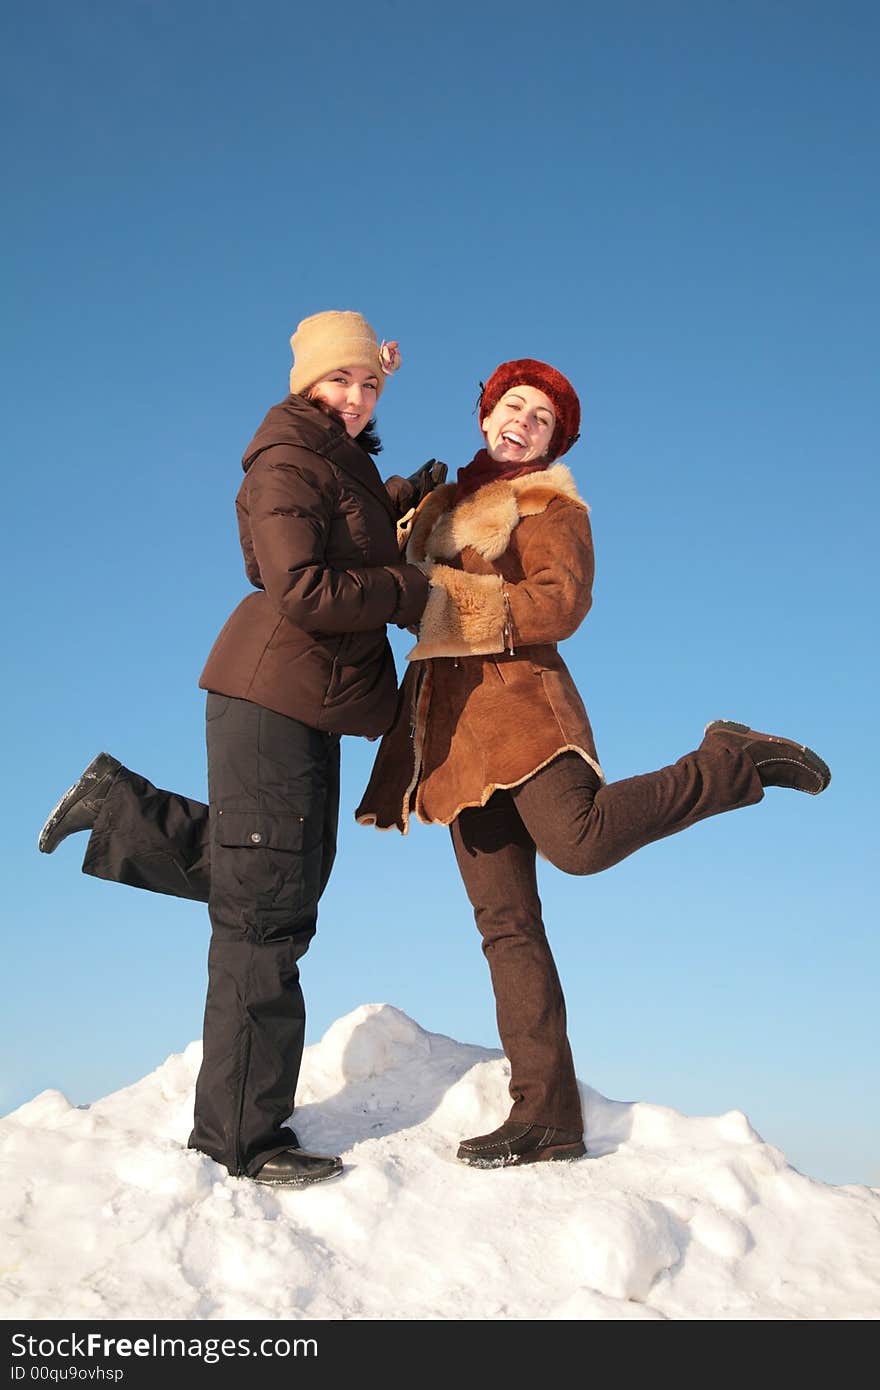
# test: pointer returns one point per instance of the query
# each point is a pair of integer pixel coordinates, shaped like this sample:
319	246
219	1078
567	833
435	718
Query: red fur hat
526	371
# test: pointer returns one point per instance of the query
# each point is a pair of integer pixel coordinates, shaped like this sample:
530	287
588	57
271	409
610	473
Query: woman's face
520	427
353	391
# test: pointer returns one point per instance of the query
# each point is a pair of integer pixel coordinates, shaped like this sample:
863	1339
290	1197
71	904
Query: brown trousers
582	827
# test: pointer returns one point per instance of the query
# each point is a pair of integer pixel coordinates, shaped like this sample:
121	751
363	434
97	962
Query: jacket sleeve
556	593
292	499
483	614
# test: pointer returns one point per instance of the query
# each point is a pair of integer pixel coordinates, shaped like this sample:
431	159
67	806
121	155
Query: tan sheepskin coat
487	700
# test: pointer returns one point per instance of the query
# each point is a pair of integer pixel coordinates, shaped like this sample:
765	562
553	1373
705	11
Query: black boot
79	806
296	1167
780	761
515	1144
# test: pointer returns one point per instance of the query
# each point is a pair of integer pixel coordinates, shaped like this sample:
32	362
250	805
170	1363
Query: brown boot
780	761
516	1143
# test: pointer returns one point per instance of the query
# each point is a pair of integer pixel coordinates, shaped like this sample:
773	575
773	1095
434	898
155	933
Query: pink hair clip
389	357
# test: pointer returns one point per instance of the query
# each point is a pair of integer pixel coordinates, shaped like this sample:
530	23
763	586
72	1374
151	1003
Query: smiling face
353	391
520	427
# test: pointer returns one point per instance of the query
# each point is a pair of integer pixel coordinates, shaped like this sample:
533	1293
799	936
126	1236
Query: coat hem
371	818
506	786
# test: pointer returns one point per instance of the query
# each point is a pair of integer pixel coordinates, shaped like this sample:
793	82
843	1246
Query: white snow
107	1215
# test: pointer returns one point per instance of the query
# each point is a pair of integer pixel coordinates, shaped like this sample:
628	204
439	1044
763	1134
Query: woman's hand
426	478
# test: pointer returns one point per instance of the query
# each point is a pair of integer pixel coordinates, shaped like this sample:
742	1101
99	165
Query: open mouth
515	439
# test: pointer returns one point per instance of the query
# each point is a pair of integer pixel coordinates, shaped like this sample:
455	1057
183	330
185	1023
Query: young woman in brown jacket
492	739
302	660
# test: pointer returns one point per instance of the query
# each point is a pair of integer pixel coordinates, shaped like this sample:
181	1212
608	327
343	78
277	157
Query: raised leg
152	839
583	827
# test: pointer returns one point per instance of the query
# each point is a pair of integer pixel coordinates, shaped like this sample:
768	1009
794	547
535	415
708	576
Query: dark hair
368	438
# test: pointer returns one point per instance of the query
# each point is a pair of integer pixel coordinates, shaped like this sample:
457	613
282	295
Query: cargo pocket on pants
266	870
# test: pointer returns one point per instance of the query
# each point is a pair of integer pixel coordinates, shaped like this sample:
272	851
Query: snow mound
108	1215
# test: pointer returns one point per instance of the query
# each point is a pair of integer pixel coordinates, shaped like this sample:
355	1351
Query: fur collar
487	519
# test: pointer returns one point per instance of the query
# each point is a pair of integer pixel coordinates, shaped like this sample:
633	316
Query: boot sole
554	1153
47	844
811	758
297	1182
44	843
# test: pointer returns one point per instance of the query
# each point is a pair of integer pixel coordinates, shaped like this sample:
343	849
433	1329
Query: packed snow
106	1213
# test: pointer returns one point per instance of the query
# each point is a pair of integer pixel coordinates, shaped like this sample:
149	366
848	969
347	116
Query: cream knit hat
338	338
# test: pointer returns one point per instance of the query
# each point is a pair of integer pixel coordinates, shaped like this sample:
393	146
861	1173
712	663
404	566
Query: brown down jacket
487	700
318	531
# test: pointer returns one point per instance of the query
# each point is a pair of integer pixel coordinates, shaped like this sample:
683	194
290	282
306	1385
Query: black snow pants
260	855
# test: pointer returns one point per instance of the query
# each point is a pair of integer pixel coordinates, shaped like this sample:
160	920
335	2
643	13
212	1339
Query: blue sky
675	203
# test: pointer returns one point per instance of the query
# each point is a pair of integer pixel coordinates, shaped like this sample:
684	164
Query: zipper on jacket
414	702
416	745
507	631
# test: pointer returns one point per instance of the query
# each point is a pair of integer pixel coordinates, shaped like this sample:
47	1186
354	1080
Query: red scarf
482	469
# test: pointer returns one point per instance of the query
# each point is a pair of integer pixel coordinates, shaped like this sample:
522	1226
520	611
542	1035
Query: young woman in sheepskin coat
492	739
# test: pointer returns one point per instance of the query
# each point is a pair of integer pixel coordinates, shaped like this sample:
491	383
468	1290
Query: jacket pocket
359	662
515	670
567	706
336	677
497	668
